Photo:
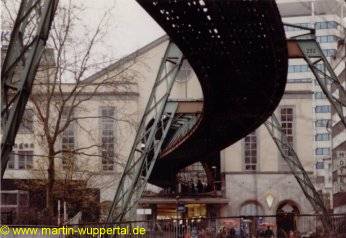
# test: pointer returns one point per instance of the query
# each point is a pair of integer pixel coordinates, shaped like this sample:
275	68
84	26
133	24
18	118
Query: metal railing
281	226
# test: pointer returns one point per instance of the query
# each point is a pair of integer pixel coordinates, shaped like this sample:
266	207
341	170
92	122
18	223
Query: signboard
181	208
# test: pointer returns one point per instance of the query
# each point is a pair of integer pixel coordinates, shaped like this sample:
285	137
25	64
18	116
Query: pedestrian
269	233
202	233
192	187
199	186
231	233
187	234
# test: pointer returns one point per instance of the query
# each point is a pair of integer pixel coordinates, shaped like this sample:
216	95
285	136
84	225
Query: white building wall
244	186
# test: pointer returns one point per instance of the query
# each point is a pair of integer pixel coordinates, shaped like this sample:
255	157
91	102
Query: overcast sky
131	26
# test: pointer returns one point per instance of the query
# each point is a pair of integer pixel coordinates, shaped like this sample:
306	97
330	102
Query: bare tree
60	99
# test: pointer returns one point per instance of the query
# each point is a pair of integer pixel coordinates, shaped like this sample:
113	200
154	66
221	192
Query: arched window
288	207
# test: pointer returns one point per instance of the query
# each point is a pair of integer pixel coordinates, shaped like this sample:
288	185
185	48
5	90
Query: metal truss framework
152	131
25	54
290	156
309	48
306	47
158	113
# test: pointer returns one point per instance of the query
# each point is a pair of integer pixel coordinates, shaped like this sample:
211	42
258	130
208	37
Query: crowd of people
234	232
225	232
189	188
203	229
198	187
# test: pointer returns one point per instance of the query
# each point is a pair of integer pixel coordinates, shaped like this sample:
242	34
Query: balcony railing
187	190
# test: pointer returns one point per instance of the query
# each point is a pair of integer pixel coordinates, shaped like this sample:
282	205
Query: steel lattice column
151	133
290	156
306	47
26	54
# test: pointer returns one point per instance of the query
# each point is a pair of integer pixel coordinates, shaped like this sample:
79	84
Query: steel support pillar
153	128
290	156
306	47
313	55
25	54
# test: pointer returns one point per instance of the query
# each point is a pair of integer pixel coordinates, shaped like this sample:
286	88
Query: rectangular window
326	39
320	95
250	152
323	123
25	159
331	39
287	120
329	52
332	25
299	80
27	124
68	140
320	165
320	179
11	161
298	68
322	151
322	137
322	109
107	137
326	25
304	68
287	123
320	39
318	25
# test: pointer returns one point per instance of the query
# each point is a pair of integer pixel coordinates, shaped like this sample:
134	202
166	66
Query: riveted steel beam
24	54
152	131
291	158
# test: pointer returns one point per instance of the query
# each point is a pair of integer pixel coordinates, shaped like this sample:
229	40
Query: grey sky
129	27
132	28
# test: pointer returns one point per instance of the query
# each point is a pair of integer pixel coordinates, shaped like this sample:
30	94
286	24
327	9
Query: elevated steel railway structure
239	53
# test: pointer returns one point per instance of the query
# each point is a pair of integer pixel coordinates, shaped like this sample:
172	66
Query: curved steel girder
238	52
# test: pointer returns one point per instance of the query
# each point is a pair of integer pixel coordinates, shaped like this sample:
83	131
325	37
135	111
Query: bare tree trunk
61	92
50	186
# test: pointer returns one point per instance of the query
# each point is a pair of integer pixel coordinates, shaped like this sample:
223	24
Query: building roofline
126	59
